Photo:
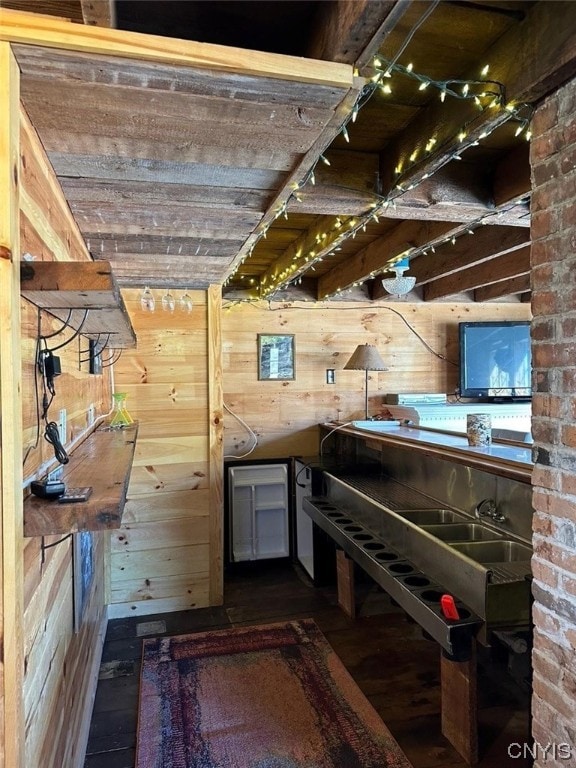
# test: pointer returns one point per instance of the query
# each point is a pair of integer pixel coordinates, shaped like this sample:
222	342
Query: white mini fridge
258	513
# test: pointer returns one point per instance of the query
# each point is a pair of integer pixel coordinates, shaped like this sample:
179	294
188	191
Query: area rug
270	696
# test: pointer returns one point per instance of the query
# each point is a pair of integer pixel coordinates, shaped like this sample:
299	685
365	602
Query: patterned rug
272	696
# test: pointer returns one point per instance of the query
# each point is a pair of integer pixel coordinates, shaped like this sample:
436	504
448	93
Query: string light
485	94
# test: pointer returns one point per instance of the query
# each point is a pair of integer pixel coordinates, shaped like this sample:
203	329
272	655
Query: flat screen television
495	360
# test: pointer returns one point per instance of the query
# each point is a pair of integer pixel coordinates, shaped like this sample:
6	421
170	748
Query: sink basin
494	551
462	532
430	516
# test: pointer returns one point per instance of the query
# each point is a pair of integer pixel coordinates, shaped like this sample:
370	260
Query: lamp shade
365	358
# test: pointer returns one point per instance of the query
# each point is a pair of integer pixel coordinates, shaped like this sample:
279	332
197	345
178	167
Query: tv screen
495	360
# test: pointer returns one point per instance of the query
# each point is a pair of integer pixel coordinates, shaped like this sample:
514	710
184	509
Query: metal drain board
390	493
417	594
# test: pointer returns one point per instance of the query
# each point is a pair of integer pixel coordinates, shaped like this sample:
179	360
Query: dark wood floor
395	666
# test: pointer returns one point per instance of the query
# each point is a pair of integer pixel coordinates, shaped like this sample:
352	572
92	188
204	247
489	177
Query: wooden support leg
345	580
459	705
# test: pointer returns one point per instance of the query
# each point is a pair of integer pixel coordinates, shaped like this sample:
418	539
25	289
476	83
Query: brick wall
553	160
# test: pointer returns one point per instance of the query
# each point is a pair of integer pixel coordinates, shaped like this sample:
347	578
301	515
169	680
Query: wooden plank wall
61	666
161	557
284	414
11	512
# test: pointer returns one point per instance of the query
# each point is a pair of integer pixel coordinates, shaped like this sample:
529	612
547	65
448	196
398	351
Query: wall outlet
91	415
62	425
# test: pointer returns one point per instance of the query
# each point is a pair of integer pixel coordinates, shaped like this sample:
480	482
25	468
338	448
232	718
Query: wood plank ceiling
284	185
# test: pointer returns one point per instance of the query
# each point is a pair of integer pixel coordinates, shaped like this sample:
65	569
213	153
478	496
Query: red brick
560	355
542	275
552	695
547	191
567	483
547	666
568	216
568	159
545	621
546	116
545	432
545	146
560	506
545	477
544	302
545	250
548	405
568	584
540	498
543	329
568	328
545	573
545	221
542	524
569	435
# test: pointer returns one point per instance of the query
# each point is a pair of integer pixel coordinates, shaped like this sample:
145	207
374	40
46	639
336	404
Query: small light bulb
484	71
423	86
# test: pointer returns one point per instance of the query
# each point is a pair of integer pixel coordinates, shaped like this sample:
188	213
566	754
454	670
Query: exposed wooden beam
509	287
458	192
313	243
348	30
99	13
469	250
531	60
307	163
512	264
34	29
373	258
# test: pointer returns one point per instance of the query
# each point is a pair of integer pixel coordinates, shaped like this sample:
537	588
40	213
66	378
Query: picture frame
83	573
276	360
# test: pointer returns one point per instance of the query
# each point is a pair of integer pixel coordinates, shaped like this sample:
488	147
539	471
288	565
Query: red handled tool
448	607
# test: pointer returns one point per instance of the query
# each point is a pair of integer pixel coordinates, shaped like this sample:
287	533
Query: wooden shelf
103	460
58	286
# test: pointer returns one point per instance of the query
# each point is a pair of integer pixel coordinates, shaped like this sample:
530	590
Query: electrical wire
313	308
52	435
250	431
340	426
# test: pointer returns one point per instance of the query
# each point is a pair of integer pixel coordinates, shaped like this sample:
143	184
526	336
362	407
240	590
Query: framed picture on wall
83	568
276	357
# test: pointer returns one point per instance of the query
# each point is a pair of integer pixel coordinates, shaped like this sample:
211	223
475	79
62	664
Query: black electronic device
47	489
495	360
75	495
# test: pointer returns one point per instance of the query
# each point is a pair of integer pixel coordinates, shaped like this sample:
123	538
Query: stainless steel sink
430	516
487	552
456	532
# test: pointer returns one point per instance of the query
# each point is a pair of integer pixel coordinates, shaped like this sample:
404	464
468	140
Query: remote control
73	495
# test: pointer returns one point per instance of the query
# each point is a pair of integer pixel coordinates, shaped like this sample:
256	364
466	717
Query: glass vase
120	416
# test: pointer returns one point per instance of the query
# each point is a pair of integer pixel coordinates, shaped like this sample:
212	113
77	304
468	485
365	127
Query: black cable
74	335
52	435
55	543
